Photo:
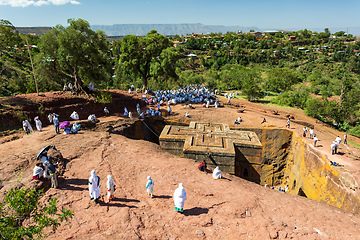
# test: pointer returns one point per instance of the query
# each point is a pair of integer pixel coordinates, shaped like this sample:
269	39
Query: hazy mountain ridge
167	29
180	29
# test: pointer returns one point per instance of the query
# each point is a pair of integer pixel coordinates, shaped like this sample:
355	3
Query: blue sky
264	14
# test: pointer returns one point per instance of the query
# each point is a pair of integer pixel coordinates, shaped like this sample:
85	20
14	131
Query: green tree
151	56
280	79
23	217
8	34
251	84
77	52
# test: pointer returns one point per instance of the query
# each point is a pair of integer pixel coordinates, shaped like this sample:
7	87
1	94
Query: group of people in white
335	144
311	135
179	195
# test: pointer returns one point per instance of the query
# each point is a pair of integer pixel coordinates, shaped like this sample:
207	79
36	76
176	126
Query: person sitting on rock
217	173
38	171
179	198
263	121
202	166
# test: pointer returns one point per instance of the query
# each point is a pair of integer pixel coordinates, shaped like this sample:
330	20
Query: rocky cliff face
287	160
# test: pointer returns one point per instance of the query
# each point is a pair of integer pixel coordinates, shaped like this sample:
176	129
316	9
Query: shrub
314	108
103	97
297	98
22	206
355	131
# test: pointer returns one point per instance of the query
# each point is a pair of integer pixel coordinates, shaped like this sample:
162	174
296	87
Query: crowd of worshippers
191	93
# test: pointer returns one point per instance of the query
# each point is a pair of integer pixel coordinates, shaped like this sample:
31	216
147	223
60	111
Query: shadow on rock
195	211
162	196
68	184
125	200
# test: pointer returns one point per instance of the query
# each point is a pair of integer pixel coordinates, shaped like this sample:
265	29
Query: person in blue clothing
56	123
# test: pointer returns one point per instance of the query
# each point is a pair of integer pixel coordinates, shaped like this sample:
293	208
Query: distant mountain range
167	29
180	29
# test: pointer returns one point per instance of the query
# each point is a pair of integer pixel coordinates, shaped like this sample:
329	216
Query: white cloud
26	3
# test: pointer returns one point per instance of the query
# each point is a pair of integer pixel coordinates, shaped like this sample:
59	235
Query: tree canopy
76	52
151	56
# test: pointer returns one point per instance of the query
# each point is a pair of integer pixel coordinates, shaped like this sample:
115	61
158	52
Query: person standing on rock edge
52	171
110	185
150	186
345	138
56	123
169	110
332	147
311	131
179	198
288	123
94	186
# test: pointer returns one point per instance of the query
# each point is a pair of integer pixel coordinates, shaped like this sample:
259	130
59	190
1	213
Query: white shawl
179	196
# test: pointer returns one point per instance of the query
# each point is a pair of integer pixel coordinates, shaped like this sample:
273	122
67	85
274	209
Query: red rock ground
214	209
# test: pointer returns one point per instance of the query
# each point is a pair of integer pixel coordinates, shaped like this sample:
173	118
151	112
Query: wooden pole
32	66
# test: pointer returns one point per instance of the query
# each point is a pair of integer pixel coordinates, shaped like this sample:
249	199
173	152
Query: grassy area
5	131
354	144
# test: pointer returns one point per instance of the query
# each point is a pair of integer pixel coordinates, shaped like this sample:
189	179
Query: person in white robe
332	147
150	186
38	124
50	117
338	140
179	198
110	185
106	111
336	146
94	186
27	125
217	173
130	115
74	115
